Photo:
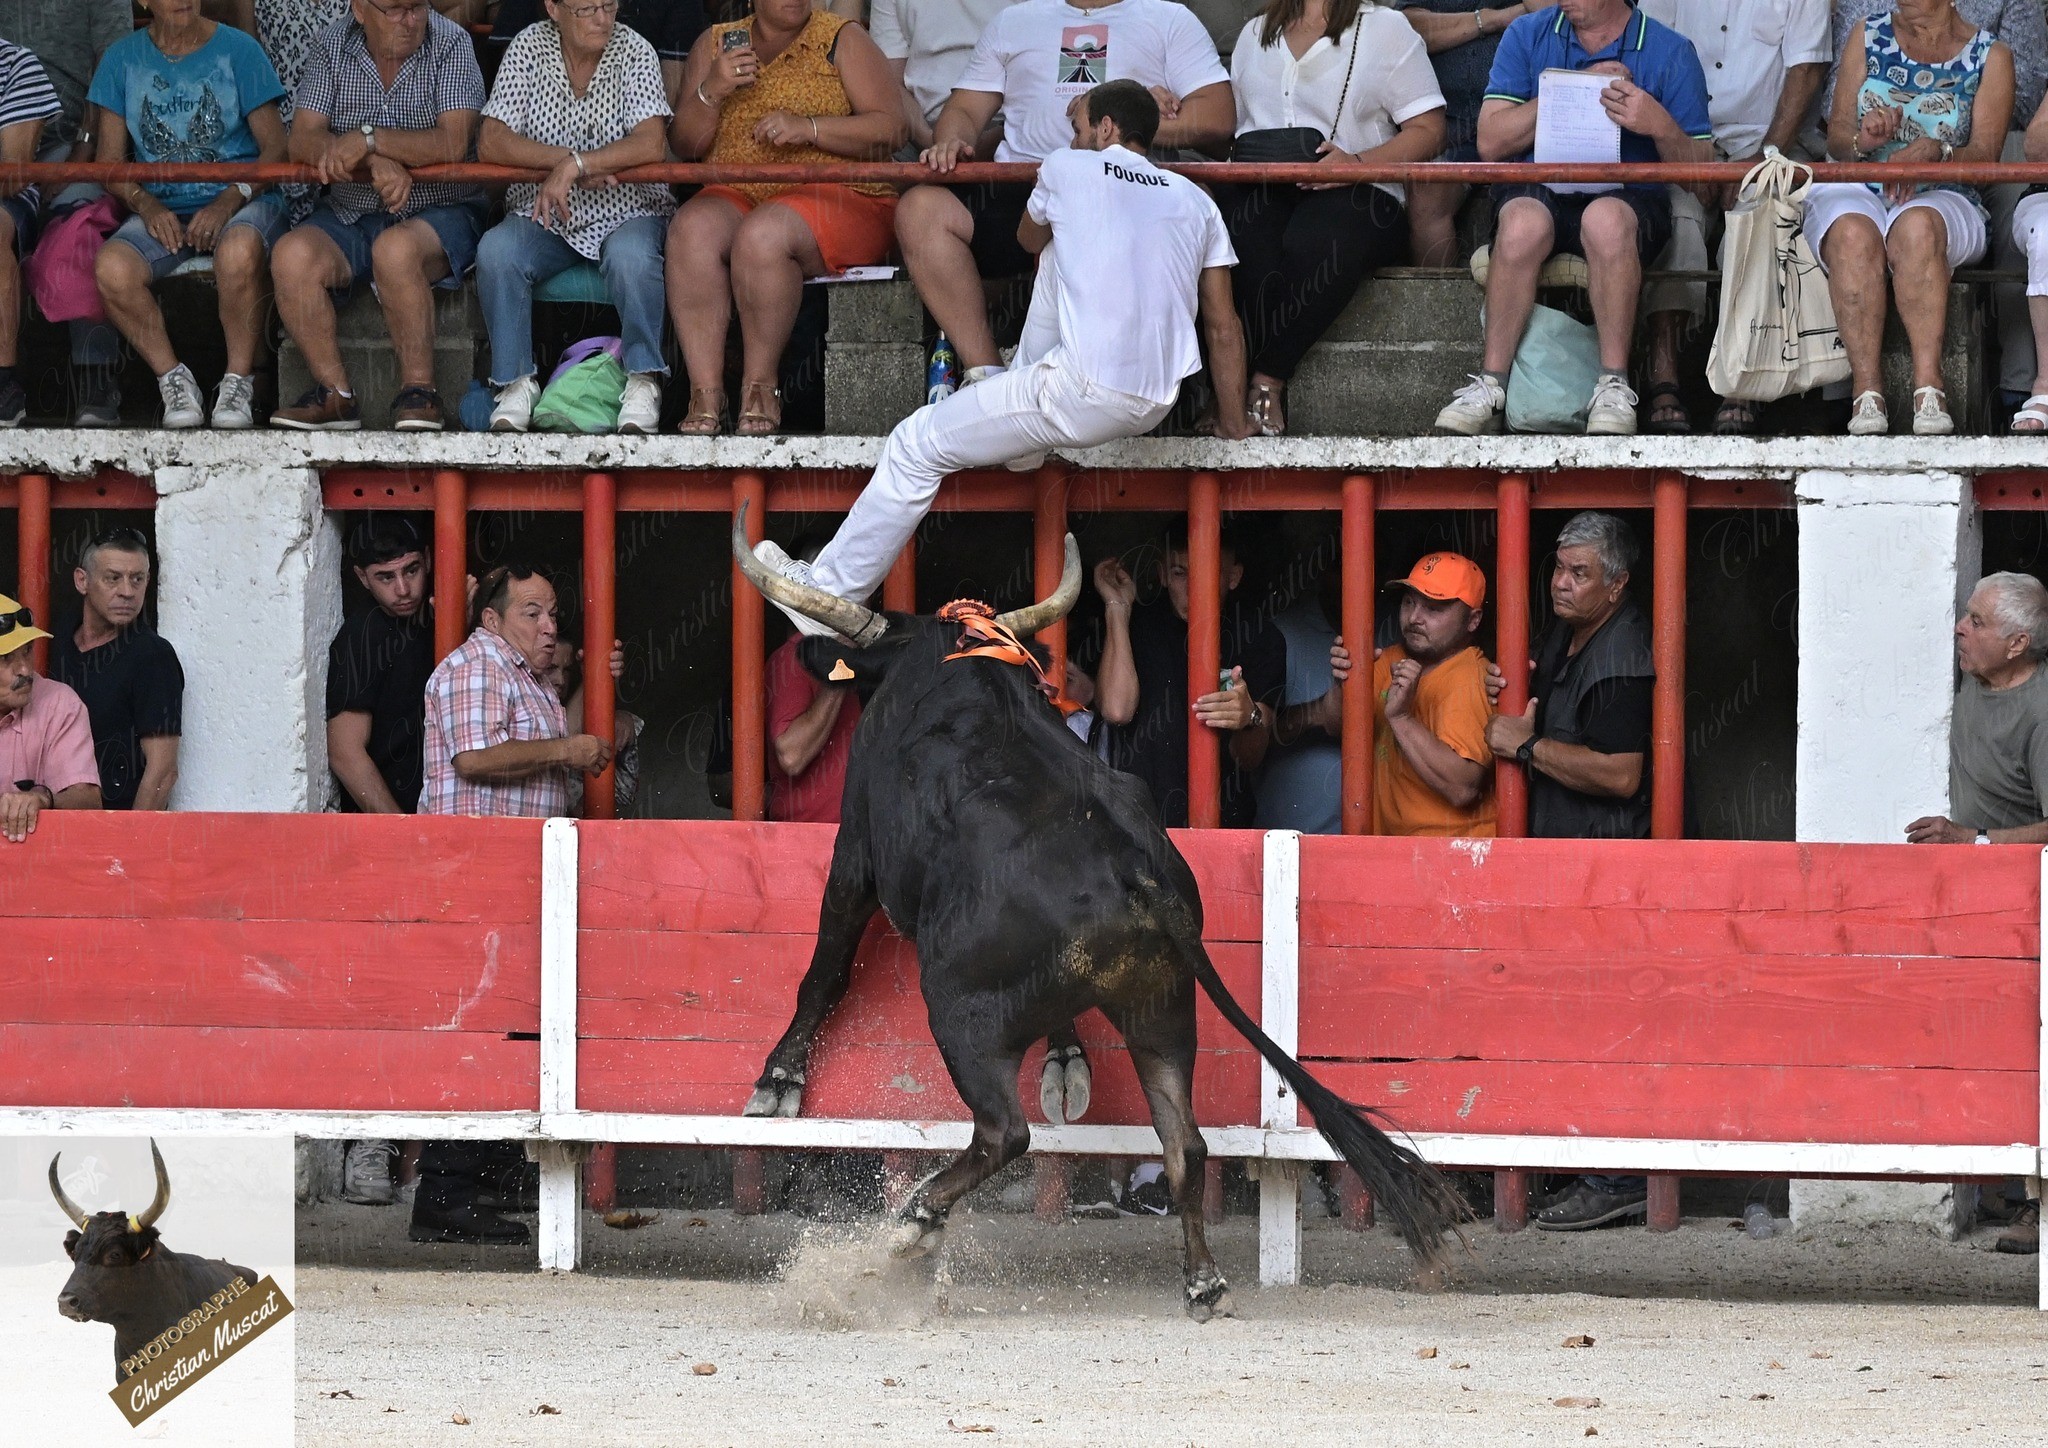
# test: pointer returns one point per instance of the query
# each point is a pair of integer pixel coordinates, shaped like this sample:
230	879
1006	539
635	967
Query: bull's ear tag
840	673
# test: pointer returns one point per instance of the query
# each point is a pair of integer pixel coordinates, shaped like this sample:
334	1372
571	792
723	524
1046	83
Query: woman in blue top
187	89
1918	85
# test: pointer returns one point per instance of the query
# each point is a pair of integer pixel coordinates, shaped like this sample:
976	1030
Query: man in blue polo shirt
1659	99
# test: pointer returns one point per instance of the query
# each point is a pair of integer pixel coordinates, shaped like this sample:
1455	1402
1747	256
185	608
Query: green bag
584	393
1556	369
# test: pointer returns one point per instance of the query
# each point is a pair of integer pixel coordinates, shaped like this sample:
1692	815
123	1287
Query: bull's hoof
765	1101
915	1239
1209	1296
792	1101
779	1093
1065	1085
1052	1090
1080	1085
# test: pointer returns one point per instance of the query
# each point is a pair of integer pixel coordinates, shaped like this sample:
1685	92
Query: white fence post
1280	1018
561	1175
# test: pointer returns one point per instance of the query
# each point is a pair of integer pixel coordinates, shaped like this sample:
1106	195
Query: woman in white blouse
1357	74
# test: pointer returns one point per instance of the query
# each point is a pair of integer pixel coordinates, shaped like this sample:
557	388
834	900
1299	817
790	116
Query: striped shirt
342	84
481	695
26	96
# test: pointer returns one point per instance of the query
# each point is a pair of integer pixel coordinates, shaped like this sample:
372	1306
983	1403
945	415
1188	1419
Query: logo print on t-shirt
1084	59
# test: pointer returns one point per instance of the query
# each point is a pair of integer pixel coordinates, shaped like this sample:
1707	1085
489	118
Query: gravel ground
1072	1334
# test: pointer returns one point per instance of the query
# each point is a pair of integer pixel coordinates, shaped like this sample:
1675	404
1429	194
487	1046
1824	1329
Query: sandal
1737	417
1930	413
2035	411
1667	409
1262	405
706	416
760	409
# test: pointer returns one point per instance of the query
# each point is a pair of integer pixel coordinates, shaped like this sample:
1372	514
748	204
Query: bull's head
104	1248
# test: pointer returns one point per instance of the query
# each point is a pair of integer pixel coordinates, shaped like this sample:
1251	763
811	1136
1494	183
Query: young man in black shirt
377	670
128	675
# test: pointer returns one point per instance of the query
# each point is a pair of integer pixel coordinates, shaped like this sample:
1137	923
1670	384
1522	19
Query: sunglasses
21	618
123	538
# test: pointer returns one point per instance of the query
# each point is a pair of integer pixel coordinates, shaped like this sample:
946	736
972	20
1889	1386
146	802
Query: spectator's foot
1667	409
1030	462
1585	1208
796	571
13	403
418	409
1867	416
234	406
1612	410
1930	413
1148	1195
184	403
514	412
2032	415
1737	418
2023	1237
466	1225
366	1173
640	406
760	410
321	410
1263	405
1475	408
99	397
706	417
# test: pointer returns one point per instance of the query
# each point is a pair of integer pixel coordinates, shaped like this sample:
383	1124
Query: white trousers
1830	201
1025	410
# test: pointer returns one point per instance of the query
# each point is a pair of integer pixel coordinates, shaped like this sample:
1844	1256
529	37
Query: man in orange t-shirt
1432	772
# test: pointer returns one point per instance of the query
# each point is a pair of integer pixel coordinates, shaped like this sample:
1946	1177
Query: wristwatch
248	191
1258	716
1525	755
370	137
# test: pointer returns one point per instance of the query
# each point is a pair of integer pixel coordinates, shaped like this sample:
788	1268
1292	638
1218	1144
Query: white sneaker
1612	410
640	407
1930	412
1475	408
233	408
184	403
1029	463
1867	415
795	570
366	1173
514	412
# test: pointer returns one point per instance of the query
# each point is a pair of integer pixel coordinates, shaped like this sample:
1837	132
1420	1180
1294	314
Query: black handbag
1294	143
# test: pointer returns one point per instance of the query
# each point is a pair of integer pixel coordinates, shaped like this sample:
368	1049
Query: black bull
1036	882
123	1275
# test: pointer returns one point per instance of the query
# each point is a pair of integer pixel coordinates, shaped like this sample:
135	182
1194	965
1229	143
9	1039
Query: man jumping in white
1142	252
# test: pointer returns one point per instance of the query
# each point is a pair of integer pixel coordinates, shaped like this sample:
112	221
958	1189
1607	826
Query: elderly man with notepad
1655	108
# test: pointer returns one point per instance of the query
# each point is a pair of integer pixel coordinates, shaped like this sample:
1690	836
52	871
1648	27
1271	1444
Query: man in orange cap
46	754
1432	771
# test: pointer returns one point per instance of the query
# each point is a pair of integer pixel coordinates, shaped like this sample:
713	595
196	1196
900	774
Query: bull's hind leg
986	1077
842	920
1163	1054
1065	1081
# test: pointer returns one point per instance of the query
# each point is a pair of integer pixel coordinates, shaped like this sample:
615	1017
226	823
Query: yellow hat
17	627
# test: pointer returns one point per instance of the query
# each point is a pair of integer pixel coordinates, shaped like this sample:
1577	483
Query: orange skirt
852	228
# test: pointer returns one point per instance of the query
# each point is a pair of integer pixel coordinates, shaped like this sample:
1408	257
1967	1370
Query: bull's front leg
850	904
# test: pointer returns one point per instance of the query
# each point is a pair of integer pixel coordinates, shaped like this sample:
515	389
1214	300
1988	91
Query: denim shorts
23	216
1651	204
266	214
459	228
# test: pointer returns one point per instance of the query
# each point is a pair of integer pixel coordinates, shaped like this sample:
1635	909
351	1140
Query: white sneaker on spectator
1867	415
1612	411
514	412
640	407
184	403
1475	408
1930	412
234	406
366	1173
796	571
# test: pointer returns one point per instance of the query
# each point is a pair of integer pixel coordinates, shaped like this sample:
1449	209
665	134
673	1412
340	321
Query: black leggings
1300	258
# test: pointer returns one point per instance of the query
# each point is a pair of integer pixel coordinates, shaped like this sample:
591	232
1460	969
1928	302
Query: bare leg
772	252
1521	244
305	264
1854	253
10	294
125	283
937	238
241	274
1433	223
2037	311
700	286
1608	232
407	261
1917	245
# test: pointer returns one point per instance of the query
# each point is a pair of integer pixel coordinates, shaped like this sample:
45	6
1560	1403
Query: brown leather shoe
418	409
320	410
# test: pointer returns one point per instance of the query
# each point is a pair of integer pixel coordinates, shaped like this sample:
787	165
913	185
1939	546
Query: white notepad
1572	126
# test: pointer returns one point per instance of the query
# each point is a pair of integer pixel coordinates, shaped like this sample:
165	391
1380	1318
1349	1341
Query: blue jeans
516	255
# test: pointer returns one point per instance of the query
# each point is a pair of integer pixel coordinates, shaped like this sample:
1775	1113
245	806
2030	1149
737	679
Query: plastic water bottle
1756	1220
942	377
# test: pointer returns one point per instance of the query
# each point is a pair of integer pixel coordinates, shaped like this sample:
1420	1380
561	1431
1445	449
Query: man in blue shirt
1659	100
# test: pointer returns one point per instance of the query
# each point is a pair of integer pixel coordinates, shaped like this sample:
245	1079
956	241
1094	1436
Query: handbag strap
1338	119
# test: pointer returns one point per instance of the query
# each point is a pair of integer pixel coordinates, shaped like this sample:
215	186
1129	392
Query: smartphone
737	39
1223	683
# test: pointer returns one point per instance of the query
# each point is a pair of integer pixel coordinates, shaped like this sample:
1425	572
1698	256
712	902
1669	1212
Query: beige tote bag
1776	335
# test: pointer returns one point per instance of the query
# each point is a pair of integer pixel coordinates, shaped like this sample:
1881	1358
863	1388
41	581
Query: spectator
580	98
1301	780
188	89
497	743
1432	769
2030	235
810	732
1765	61
1142	682
927	44
2019	24
790	85
70	40
377	671
27	103
1303	250
1461	36
1584	741
46	759
953	239
394	87
1659	99
128	674
1919	85
670	26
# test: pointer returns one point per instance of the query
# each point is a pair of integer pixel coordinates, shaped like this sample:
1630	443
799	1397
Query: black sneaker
1150	1199
99	397
468	1226
1585	1208
13	403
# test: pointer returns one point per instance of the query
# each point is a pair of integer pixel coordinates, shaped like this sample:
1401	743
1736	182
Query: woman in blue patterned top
1918	85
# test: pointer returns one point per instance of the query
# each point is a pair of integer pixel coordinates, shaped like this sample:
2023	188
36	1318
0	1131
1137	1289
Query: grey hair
1608	536
2021	607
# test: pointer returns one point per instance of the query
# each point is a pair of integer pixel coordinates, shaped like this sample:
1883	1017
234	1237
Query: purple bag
586	349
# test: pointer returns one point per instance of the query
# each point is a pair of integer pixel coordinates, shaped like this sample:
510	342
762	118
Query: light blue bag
1556	368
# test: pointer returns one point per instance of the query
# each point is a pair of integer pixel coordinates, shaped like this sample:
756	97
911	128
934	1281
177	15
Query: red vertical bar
1049	553
1510	1200
1359	565
1205	646
749	668
749	1181
1511	635
33	551
451	562
1353	1200
600	627
1212	1191
601	1177
1052	1180
899	589
1667	649
1663	1208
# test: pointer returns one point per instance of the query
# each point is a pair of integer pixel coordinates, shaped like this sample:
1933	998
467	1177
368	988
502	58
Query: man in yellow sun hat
46	754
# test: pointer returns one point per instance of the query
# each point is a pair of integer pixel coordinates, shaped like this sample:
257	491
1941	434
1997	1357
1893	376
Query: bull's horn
163	1190
850	620
1024	622
71	1208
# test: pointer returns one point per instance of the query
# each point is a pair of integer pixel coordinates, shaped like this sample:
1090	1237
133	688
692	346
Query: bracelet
704	100
581	169
814	132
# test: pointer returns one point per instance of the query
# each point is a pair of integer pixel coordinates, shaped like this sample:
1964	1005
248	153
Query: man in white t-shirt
1143	254
1034	59
928	44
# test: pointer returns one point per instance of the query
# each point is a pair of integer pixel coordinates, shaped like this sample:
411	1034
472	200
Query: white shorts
2030	235
1830	201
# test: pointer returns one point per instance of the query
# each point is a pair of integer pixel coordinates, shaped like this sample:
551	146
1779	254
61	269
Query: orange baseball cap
1446	575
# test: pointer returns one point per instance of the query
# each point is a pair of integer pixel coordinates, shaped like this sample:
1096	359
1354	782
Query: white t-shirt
1391	81
1745	48
1041	54
933	39
1133	242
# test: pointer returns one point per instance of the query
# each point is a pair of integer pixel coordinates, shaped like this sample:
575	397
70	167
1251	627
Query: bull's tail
1423	1205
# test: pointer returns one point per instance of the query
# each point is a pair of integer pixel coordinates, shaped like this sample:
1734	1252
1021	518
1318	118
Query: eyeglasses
584	12
403	14
21	618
